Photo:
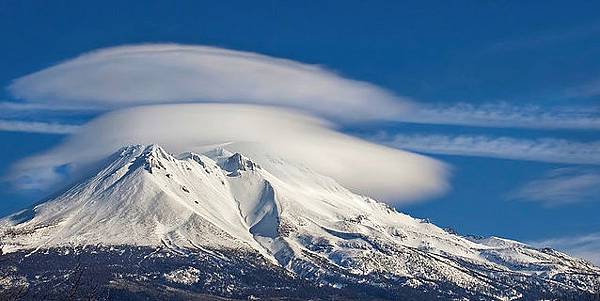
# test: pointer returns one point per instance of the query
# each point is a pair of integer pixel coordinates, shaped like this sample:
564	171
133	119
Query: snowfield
305	223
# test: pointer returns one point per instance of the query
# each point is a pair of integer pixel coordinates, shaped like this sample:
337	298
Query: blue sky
508	92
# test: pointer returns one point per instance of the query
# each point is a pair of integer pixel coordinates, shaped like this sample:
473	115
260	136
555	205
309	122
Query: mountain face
196	226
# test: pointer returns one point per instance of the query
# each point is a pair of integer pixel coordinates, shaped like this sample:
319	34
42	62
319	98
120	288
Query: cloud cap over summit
264	133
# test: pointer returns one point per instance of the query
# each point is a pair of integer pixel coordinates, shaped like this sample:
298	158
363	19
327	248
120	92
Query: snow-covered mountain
295	222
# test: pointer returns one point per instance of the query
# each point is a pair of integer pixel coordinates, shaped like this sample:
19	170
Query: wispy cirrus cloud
43	118
585	246
506	115
45	113
171	73
561	187
37	127
29	106
543	150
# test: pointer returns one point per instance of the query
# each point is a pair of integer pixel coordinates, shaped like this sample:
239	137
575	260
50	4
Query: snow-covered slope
284	212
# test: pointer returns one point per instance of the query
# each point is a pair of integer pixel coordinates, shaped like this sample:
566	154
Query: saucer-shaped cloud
167	73
262	133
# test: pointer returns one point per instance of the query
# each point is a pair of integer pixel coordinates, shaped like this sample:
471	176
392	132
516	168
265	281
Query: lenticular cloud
257	105
263	133
167	73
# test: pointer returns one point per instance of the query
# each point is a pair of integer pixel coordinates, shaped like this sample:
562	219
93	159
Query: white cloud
583	246
375	170
562	186
543	150
28	107
167	73
507	115
37	127
170	73
43	117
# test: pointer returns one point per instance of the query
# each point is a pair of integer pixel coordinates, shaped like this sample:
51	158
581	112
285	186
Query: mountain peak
306	223
156	151
237	163
153	157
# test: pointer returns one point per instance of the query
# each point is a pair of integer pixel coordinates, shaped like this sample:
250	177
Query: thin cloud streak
543	150
46	113
585	246
505	115
28	107
37	127
562	186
